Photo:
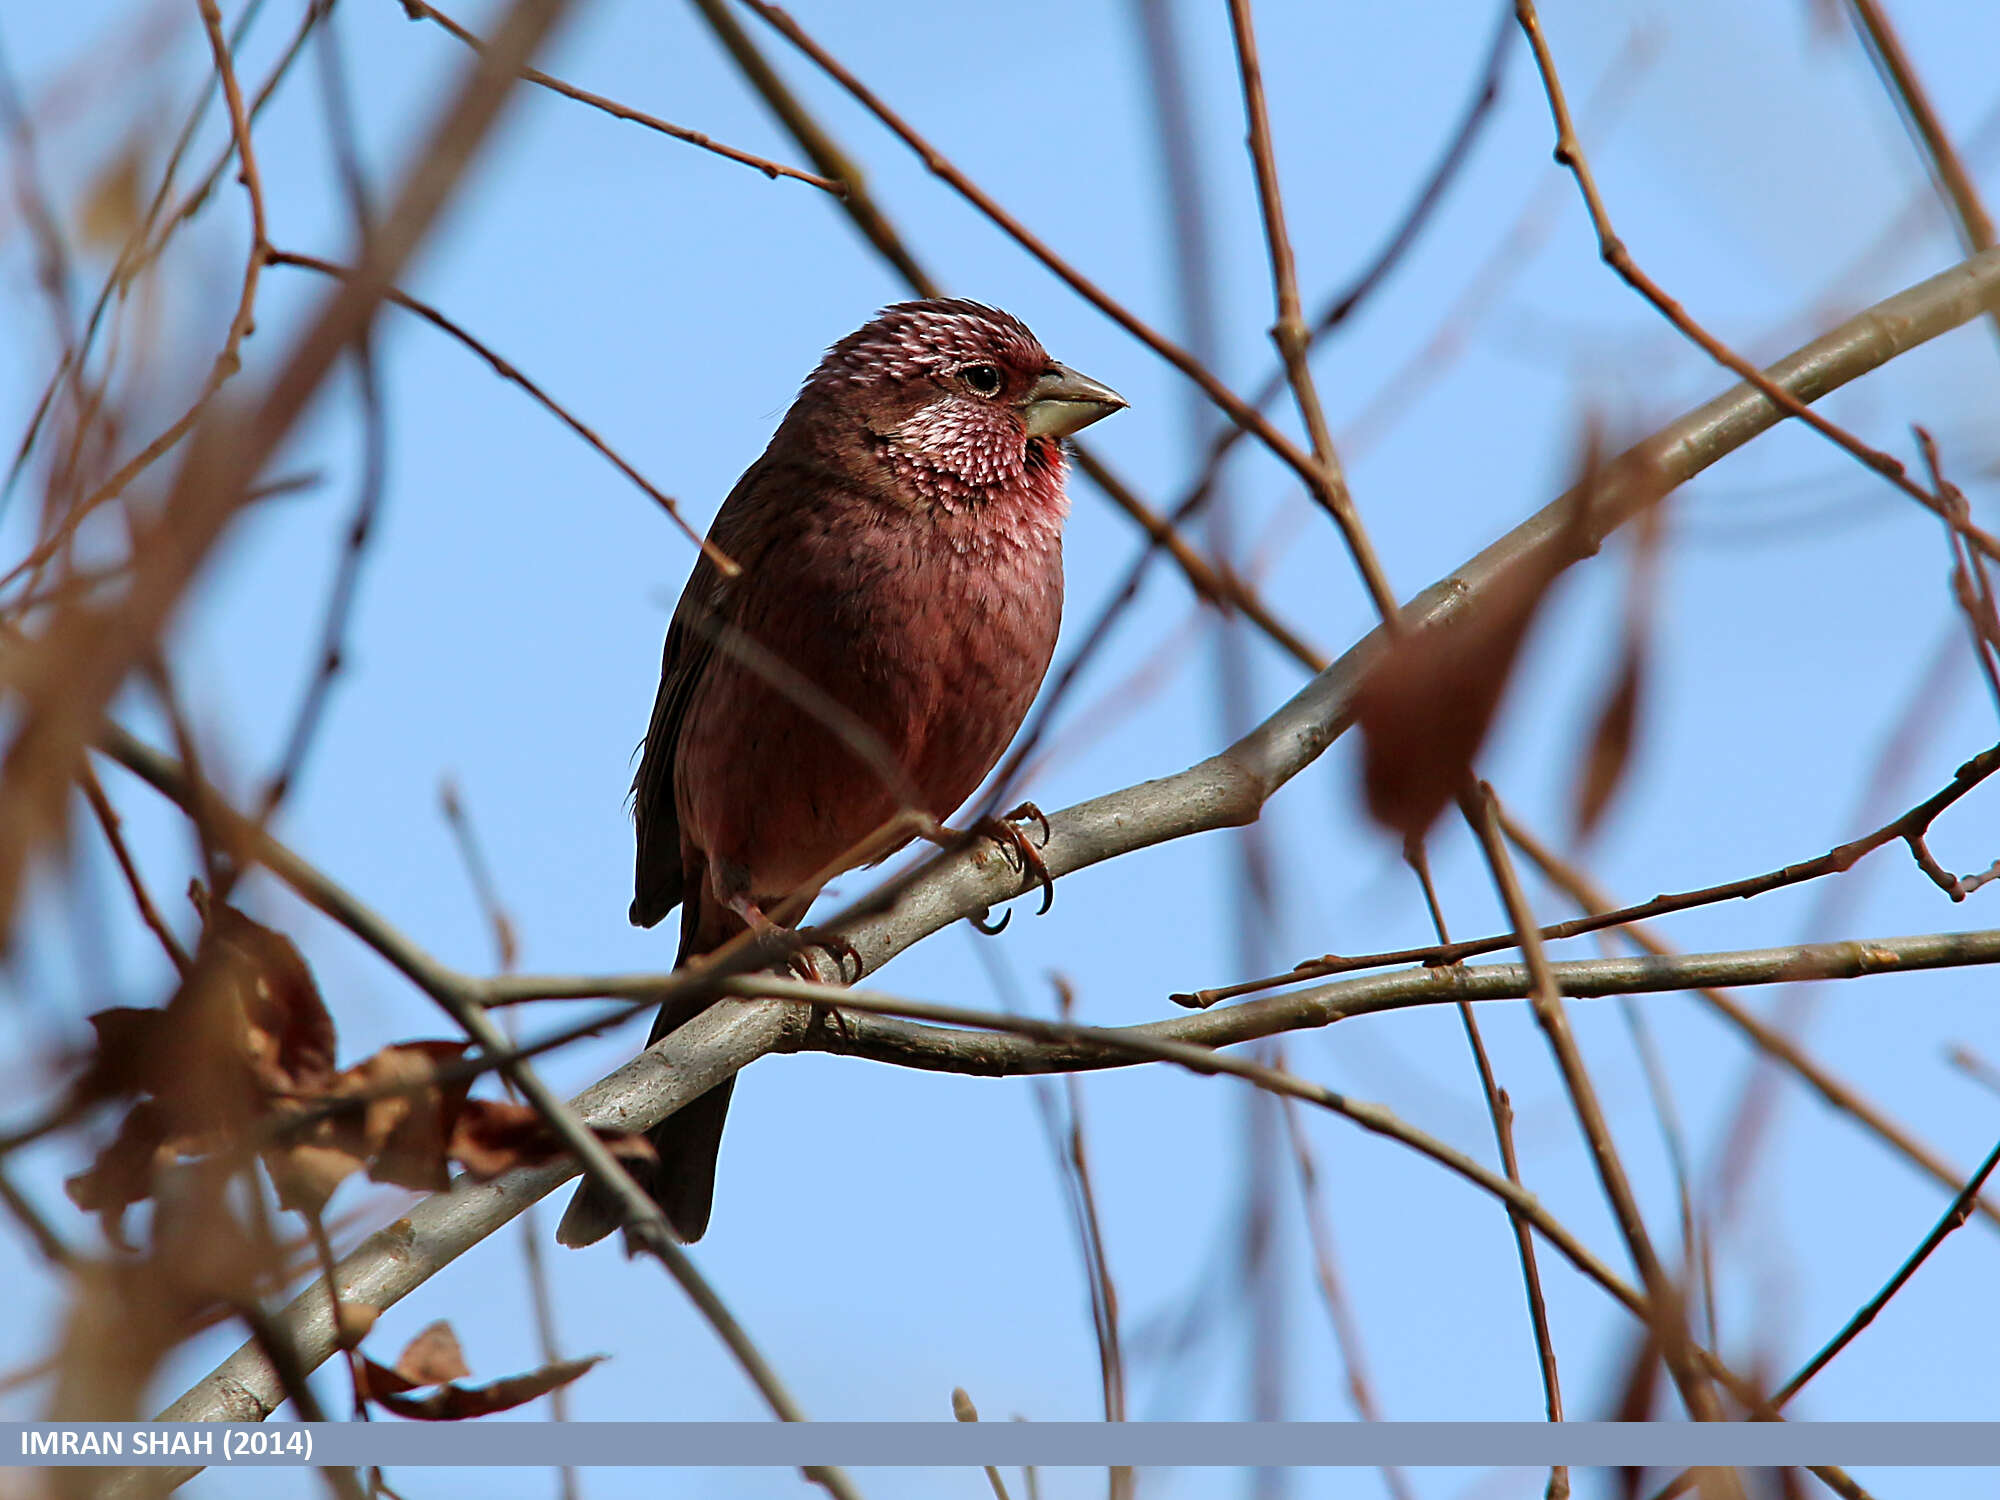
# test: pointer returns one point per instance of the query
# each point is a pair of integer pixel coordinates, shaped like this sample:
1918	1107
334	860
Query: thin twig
1324	485
1103	1292
1972	582
541	1296
108	820
1569	152
374	449
50	1244
511	373
1768	1039
1215	583
1955	184
1200	1059
963	1410
1909	828
1339	1312
1289	332
1220	584
417	10
229	360
85	656
133	256
1665	1315
1954	1218
1500	1110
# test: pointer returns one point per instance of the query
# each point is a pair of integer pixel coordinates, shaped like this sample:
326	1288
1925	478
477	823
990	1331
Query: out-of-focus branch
1955	185
1611	249
73	669
1665	1313
140	248
149	913
1339	1308
229	359
1500	1110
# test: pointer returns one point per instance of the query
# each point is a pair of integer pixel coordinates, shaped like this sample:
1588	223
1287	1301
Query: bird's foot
1008	833
802	959
834	946
804	963
751	915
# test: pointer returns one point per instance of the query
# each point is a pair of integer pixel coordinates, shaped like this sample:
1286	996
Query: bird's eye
984	379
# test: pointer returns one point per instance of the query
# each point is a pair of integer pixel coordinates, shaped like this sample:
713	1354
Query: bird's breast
934	632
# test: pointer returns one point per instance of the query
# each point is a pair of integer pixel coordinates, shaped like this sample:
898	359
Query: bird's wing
659	881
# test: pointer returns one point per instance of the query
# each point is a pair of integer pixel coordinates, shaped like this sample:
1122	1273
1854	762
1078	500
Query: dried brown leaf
127	1313
405	1132
1610	753
245	1025
353	1321
291	1039
432	1357
305	1174
122	1320
123	1172
457	1403
492	1136
200	1245
1428	702
126	1056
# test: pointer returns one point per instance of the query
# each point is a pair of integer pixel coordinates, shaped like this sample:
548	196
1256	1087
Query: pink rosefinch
901	546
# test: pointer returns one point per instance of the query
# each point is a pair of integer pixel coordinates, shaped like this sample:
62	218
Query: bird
899	596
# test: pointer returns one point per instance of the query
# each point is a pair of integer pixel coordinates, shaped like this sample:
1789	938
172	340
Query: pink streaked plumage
901	544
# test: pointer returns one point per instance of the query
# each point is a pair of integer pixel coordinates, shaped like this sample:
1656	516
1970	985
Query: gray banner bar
1093	1444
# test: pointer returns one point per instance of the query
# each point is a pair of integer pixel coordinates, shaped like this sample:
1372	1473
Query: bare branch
1611	249
417	10
1910	828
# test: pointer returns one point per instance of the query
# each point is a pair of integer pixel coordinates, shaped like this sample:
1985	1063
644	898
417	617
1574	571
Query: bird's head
954	401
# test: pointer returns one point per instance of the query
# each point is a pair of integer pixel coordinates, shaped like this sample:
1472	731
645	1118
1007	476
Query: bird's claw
1029	810
983	920
836	947
802	962
1008	833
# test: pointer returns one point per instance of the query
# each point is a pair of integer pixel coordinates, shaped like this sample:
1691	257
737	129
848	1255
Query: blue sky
889	1235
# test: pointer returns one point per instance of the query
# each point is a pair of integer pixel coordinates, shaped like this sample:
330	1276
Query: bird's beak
1063	402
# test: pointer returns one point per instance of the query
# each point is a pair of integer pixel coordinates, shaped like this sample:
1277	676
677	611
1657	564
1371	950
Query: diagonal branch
1611	250
1665	1312
417	10
1769	1039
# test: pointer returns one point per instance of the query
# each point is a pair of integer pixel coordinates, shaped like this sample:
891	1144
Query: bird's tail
682	1179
